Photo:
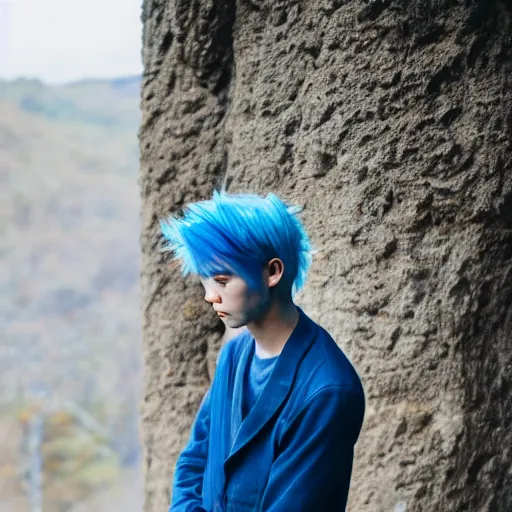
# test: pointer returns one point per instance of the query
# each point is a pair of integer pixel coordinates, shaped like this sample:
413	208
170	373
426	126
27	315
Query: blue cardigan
294	450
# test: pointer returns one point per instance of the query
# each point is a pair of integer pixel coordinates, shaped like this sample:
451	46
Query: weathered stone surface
391	123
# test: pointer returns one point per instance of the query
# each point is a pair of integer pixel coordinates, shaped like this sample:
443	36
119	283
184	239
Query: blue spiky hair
239	234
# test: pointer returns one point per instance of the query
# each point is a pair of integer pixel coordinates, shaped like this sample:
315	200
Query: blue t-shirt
255	380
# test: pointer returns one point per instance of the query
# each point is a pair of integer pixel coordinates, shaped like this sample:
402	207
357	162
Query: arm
188	477
316	452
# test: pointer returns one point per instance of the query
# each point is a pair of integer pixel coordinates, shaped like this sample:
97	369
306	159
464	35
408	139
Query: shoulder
326	368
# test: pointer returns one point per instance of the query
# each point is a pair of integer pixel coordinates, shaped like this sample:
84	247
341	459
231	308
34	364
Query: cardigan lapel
238	387
277	388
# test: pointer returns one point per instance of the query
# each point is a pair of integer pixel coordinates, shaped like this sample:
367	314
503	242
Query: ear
275	268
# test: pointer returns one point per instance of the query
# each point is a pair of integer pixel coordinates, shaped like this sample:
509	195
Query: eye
222	281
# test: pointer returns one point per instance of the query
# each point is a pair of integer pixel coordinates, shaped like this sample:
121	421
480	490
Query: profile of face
233	300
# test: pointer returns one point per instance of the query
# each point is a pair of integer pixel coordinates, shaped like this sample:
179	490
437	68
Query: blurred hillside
69	305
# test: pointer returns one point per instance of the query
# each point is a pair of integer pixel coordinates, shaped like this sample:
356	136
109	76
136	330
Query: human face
233	301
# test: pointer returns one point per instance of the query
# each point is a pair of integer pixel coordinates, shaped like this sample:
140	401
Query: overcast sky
66	40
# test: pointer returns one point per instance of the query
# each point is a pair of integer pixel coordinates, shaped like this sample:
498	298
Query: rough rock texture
391	122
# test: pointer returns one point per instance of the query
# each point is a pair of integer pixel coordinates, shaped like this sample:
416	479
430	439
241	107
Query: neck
272	330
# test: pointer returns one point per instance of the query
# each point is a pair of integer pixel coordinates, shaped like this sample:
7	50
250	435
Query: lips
221	313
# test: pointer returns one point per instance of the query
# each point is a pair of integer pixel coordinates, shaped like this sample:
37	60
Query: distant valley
69	295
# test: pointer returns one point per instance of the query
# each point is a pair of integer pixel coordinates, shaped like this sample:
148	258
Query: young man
276	430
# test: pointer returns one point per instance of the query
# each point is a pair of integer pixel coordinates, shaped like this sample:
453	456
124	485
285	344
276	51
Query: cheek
254	301
241	299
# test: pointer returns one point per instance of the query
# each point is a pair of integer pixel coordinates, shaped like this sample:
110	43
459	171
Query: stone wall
391	123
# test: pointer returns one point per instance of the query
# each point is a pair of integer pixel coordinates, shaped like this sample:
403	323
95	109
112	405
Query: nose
211	297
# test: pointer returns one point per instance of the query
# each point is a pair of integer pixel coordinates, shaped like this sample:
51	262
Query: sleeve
316	452
188	476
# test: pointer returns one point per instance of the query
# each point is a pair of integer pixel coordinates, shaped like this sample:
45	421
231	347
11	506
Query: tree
390	121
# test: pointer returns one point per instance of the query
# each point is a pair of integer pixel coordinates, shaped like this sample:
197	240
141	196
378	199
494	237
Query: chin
235	325
233	322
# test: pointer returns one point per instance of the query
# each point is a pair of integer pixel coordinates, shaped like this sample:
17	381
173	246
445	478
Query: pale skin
269	314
